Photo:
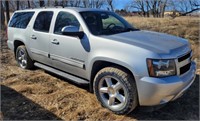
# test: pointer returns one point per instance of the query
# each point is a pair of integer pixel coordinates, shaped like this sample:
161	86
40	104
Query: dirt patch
37	95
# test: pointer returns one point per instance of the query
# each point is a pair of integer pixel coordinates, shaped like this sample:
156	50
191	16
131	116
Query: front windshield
105	23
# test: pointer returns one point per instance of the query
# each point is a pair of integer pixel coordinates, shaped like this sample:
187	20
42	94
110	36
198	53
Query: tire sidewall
129	99
29	64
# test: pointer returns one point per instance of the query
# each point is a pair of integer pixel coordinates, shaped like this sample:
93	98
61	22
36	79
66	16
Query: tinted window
43	21
65	19
105	23
21	20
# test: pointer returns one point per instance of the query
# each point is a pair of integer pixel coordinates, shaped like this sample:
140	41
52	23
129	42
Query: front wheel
23	59
116	90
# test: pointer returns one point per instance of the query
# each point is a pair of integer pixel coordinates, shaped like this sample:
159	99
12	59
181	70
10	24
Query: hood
153	41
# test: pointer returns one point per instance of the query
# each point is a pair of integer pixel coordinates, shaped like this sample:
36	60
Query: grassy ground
40	95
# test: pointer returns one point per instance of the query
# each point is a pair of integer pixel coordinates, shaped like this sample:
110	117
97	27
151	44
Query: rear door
39	43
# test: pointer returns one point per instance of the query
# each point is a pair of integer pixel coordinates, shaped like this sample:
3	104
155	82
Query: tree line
156	8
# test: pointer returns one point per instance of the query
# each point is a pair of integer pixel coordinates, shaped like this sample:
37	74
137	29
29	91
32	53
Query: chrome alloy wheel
113	93
21	58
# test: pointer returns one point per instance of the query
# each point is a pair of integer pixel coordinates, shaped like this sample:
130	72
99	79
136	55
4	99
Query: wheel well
98	65
17	43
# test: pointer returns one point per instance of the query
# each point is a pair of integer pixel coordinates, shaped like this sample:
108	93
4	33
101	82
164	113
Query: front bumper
154	91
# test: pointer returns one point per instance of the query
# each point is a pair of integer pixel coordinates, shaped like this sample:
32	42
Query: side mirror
72	31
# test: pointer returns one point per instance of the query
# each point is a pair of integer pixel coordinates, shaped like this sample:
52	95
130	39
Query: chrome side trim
39	52
63	74
67	61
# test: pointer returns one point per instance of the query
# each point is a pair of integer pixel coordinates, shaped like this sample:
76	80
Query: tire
116	90
23	59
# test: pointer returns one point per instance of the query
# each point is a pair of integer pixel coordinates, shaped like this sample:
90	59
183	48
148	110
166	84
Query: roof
65	8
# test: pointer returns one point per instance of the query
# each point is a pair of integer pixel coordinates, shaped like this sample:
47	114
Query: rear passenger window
43	21
21	19
65	19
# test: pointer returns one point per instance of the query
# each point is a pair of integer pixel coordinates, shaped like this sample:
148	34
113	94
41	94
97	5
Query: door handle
55	41
33	37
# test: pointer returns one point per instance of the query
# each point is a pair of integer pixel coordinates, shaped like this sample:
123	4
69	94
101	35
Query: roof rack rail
52	7
59	6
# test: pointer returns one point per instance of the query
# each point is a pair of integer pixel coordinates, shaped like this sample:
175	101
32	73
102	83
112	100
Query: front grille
185	68
184	57
184	63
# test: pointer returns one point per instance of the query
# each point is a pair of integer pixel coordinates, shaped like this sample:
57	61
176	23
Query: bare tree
140	5
7	11
60	3
110	4
194	5
150	7
154	6
29	5
17	4
12	5
2	16
87	3
92	3
98	3
185	6
77	3
48	2
163	7
64	3
32	3
41	3
71	3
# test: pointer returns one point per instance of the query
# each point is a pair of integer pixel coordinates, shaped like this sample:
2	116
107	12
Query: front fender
134	61
111	60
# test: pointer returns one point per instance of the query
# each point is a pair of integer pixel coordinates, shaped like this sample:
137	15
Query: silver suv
124	66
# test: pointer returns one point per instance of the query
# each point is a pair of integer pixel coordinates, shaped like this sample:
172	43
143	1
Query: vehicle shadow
15	106
184	108
83	86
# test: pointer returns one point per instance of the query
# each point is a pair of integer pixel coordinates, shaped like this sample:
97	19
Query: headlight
161	68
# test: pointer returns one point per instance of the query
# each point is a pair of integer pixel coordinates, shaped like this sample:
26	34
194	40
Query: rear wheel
23	59
116	90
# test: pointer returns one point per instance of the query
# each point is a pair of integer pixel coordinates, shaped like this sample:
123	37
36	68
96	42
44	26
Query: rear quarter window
43	21
21	19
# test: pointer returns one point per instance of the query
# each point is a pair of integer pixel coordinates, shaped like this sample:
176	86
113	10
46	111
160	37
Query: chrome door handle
33	37
55	41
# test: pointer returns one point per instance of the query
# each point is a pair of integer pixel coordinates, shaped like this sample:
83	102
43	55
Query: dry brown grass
38	95
185	27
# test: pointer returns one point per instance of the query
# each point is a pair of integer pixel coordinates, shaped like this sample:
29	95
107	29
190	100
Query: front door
68	53
39	43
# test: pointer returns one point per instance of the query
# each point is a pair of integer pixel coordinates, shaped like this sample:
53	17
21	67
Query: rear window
43	21
21	19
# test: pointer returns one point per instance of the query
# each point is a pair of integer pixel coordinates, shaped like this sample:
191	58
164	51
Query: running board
63	74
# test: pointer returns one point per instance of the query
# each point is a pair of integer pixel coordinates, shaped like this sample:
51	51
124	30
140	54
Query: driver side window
111	20
65	19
